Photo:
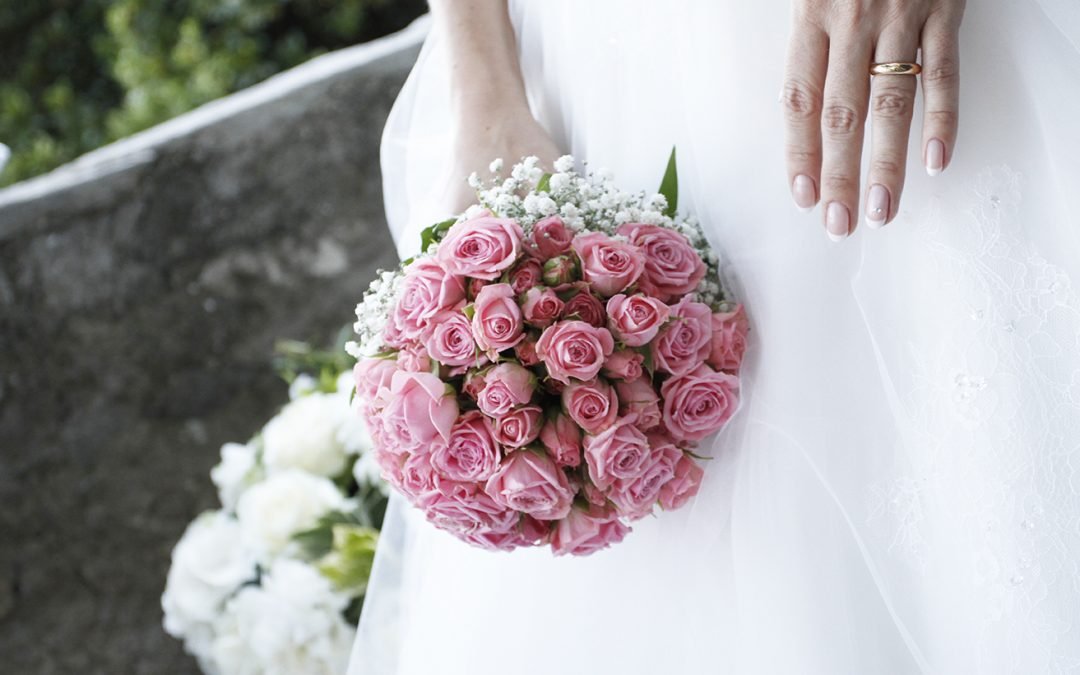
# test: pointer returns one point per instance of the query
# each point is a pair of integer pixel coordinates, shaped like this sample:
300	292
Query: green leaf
545	183
348	564
435	233
669	186
319	540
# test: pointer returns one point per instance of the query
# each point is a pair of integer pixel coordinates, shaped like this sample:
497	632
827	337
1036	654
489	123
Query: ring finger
891	104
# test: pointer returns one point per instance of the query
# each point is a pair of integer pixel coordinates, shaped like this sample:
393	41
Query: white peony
209	563
304	436
292	624
234	473
287	502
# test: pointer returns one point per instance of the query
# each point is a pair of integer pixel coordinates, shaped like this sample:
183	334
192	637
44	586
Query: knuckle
892	105
942	73
886	166
942	118
839	183
801	156
800	100
840	119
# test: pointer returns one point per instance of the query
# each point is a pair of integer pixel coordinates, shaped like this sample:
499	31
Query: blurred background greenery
76	74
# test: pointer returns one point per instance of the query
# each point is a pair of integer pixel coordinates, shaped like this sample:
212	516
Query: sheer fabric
900	490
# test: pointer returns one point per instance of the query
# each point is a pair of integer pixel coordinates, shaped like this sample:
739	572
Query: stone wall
141	291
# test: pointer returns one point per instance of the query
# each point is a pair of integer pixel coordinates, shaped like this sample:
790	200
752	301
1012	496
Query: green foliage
80	73
669	186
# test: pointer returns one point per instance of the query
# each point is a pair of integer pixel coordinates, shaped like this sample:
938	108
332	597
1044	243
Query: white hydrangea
304	435
286	503
291	624
234	473
208	564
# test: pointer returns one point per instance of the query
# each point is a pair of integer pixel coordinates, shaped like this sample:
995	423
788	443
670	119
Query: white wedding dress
900	490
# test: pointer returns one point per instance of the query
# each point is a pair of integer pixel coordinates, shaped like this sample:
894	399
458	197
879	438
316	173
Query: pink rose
463	509
624	364
372	374
426	290
699	403
584	306
574	349
562	269
473	286
562	438
685	342
525	275
683	486
519	427
635	497
593	405
584	532
729	331
541	307
526	350
607	264
672	266
420	410
636	319
474	383
414	359
506	386
527	532
530	482
551	237
482	247
638	397
450	340
471	454
496	321
390	467
418	479
619	452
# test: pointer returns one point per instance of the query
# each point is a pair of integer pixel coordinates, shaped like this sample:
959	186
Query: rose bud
624	364
526	350
560	270
562	438
586	307
473	286
551	237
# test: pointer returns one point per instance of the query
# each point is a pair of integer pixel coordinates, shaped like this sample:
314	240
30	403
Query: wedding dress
900	489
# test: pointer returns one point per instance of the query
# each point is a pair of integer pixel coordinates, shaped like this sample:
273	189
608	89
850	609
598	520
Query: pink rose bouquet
542	372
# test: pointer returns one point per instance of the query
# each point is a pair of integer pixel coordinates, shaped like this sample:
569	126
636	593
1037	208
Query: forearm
482	52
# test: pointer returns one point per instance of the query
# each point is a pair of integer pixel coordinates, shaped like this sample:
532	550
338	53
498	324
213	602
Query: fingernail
836	221
935	157
877	206
804	192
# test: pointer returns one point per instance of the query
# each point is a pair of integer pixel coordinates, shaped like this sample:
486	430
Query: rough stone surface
137	323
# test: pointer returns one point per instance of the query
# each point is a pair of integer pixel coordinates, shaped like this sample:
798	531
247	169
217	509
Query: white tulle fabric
900	490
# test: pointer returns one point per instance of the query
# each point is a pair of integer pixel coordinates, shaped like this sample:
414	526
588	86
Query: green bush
81	73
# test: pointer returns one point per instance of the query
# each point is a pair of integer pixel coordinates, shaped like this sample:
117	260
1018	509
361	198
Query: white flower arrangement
273	581
527	195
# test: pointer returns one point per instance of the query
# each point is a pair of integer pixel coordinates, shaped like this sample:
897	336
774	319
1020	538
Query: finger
843	116
941	90
802	94
892	100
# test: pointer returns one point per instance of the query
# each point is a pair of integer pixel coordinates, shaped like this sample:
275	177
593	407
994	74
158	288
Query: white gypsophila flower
286	503
290	625
304	435
564	164
209	563
234	473
496	165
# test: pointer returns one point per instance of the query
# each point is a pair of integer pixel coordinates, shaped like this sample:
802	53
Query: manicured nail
935	157
837	219
877	206
804	192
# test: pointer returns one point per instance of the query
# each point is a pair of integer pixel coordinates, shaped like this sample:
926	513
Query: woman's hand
490	111
827	95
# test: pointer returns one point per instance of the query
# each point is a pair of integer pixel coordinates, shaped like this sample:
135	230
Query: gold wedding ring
896	68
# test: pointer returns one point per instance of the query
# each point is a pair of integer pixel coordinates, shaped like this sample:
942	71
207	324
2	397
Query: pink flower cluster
547	389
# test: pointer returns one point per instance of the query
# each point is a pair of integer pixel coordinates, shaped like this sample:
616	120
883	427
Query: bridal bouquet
273	581
541	372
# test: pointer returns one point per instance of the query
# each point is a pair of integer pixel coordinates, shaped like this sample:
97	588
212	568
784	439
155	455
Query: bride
900	490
